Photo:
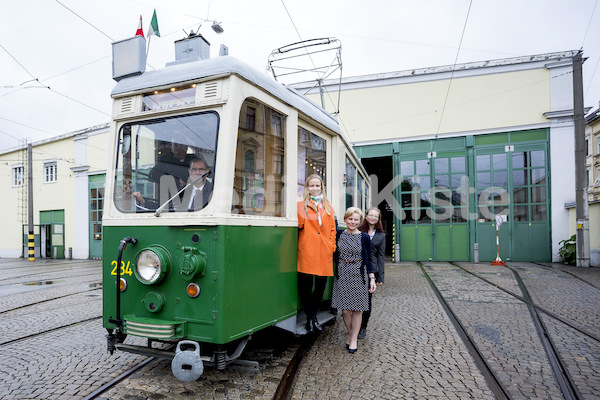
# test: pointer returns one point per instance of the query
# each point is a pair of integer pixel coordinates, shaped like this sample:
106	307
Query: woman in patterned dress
354	277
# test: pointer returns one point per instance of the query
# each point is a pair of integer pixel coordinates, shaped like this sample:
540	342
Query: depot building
457	155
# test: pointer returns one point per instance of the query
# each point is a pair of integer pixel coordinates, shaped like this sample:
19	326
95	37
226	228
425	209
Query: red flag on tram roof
140	30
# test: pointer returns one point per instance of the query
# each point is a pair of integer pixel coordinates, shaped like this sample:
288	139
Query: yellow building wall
97	153
15	210
59	195
474	103
594	224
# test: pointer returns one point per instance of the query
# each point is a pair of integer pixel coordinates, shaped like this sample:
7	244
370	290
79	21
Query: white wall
562	151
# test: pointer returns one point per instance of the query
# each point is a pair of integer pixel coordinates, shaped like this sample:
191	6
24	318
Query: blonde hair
326	204
354	210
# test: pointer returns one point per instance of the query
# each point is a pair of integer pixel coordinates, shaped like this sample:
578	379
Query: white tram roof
225	65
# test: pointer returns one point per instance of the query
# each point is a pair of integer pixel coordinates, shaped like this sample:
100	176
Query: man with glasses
201	188
193	197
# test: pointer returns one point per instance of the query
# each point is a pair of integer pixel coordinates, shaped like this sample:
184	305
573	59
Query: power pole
581	197
31	245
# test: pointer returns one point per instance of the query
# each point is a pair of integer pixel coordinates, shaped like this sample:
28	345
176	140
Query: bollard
397	252
54	252
476	252
70	253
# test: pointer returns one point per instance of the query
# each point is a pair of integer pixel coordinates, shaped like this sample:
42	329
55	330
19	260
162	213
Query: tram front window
166	162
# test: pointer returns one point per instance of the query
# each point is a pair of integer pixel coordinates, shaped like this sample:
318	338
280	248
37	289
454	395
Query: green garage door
511	181
433	199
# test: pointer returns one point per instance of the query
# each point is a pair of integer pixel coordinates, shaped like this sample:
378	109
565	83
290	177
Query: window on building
50	172
587	147
250	118
17	175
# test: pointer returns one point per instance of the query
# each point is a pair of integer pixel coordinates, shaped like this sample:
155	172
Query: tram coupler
111	341
114	336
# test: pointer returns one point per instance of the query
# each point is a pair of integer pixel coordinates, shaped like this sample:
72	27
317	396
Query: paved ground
412	350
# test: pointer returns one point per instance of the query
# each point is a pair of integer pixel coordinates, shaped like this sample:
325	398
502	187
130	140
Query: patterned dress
350	289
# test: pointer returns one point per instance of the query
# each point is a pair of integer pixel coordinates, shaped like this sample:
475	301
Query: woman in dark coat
373	227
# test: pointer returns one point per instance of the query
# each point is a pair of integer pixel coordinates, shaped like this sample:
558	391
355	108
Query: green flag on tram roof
153	29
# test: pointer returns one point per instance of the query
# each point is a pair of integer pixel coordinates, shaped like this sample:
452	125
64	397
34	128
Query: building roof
592	117
86	131
508	64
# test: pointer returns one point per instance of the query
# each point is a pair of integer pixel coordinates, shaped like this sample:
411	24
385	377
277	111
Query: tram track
48	300
527	300
490	377
124	375
595	286
29	280
559	367
46	331
271	357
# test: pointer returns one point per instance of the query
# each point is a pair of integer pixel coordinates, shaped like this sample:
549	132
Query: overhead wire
452	73
17	61
43	86
586	92
84	20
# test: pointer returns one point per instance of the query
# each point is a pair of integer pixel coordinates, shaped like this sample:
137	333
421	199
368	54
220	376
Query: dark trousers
311	289
367	314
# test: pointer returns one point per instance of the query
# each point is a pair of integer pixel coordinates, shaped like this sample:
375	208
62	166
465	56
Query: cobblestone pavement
411	351
503	330
67	363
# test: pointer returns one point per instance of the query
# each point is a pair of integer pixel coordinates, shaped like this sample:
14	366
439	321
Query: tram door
434	207
512	181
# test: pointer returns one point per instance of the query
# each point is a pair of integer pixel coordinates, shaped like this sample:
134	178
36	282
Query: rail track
466	294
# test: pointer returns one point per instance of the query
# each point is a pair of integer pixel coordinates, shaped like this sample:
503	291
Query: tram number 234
125	268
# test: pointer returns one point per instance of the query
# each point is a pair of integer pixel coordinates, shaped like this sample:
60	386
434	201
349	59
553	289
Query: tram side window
153	163
259	187
350	176
312	157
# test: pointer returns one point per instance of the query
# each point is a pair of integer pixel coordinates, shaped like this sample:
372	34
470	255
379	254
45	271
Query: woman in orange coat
316	244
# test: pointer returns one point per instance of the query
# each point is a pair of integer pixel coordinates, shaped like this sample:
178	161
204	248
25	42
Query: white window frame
15	175
50	171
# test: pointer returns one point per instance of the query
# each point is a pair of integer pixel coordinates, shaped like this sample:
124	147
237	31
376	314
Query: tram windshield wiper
163	205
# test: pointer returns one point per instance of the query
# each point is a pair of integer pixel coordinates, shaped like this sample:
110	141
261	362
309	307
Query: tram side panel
258	278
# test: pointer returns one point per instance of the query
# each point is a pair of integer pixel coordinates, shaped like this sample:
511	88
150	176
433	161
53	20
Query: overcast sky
55	55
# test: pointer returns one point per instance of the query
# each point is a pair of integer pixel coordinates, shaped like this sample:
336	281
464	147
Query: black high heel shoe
310	327
316	325
351	351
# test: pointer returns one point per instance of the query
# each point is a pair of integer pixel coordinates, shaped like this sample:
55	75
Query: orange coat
315	244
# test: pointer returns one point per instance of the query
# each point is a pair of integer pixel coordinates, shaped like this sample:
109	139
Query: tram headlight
151	265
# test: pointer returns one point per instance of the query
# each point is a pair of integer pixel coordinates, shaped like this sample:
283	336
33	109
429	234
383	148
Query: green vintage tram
205	275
